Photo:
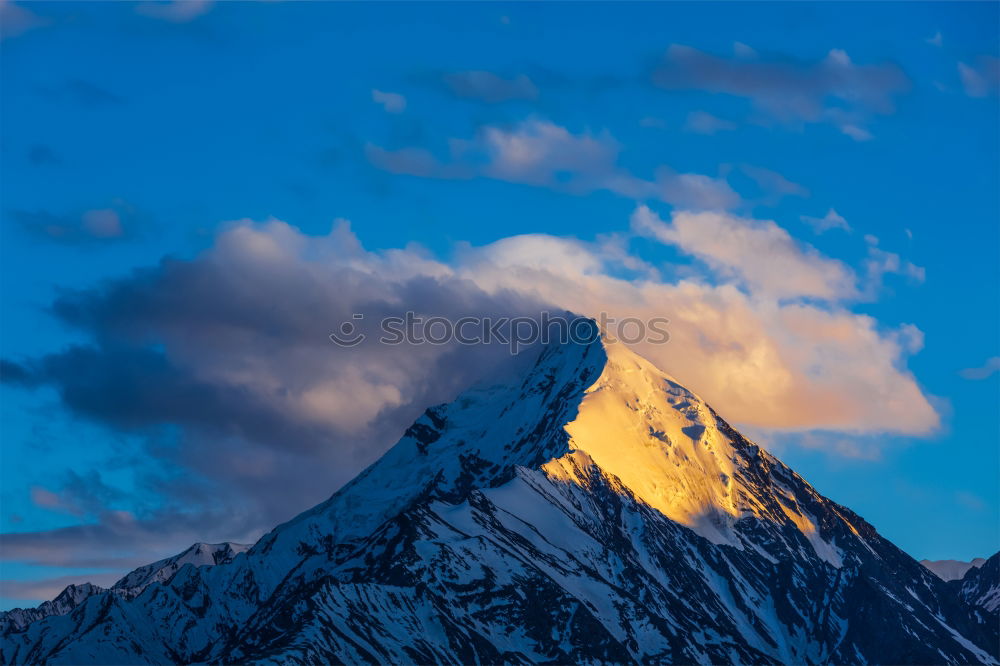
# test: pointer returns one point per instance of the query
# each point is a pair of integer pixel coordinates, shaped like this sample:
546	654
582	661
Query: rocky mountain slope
980	586
590	509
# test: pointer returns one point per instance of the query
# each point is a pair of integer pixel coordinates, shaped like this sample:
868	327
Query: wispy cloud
540	153
772	183
981	79
489	87
16	20
391	102
175	11
702	122
832	220
118	221
985	371
880	263
789	91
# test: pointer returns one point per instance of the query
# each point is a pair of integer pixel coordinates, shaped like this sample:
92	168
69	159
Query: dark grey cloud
79	494
221	370
834	89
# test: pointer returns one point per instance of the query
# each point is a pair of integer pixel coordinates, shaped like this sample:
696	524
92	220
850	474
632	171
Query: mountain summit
589	509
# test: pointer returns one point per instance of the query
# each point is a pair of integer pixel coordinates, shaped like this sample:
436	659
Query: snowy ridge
589	509
72	596
198	555
130	585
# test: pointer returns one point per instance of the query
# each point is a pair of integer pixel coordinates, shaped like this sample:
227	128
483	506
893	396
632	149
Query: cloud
789	91
47	499
832	220
856	448
855	132
542	154
220	371
695	191
175	11
742	50
773	183
985	371
79	495
102	223
116	543
184	342
14	373
652	122
981	79
762	362
701	122
116	222
936	40
489	87
391	102
16	20
757	253
971	501
420	162
880	263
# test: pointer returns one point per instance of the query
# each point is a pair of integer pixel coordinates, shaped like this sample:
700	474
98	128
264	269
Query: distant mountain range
585	509
198	555
952	569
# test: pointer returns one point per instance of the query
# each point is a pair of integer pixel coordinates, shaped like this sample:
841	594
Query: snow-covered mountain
952	569
72	596
590	509
200	554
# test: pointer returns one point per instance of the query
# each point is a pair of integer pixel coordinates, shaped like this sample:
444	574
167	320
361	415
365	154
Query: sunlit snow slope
588	509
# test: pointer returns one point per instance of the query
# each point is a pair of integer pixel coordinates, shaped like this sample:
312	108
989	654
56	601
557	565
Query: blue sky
822	176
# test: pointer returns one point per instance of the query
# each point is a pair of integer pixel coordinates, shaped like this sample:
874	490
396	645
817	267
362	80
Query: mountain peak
587	509
478	440
198	554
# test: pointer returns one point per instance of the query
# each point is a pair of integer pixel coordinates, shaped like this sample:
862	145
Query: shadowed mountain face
980	587
588	509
